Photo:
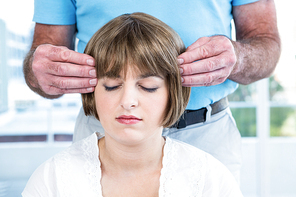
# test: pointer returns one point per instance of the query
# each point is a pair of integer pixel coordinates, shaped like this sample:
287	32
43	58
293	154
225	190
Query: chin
131	137
127	136
134	136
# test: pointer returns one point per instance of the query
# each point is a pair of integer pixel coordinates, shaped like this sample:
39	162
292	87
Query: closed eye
108	88
149	89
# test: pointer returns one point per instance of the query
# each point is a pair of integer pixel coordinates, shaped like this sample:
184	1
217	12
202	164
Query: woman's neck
125	159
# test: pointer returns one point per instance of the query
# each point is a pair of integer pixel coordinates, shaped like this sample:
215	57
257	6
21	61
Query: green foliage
278	115
246	117
246	121
274	87
246	92
242	93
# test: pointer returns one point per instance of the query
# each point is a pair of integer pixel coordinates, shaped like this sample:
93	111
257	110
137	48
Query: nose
129	99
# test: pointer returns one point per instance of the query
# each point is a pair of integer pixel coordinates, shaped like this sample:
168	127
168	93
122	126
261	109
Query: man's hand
59	70
52	68
253	56
208	61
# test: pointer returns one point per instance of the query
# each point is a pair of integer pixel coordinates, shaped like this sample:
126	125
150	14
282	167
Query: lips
124	119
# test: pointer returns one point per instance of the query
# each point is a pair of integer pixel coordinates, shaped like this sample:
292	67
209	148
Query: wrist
30	78
238	73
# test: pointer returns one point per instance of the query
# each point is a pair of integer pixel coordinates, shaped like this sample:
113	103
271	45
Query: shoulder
58	170
213	178
75	157
184	149
219	181
183	171
41	180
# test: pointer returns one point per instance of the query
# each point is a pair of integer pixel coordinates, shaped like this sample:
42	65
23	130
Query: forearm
256	58
257	45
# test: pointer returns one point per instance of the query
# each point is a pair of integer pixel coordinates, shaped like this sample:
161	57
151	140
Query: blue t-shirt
190	19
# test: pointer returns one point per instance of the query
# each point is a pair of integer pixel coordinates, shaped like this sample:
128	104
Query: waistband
190	117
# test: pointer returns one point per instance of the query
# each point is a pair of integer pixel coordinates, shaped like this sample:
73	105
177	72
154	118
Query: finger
204	79
70	70
62	54
215	46
58	91
202	52
204	66
54	85
201	41
73	82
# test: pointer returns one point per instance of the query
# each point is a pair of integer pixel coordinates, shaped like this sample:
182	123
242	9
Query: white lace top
187	171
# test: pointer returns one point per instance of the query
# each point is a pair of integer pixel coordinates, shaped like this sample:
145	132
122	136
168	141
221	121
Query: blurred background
32	128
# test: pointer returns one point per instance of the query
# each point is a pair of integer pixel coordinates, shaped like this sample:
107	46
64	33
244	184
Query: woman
139	92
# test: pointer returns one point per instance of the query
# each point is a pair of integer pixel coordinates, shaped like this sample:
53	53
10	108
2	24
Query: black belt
190	117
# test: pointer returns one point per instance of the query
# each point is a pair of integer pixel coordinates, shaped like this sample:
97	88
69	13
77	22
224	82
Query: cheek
165	101
164	106
102	104
165	98
104	111
158	106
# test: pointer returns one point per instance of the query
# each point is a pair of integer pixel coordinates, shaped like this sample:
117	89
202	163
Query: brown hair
149	46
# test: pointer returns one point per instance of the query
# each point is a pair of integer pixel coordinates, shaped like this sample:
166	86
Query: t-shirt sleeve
219	181
242	2
42	182
55	12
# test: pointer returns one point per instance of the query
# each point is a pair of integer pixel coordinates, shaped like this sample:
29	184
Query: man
213	64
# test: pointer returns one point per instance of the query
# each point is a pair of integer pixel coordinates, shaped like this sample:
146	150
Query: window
265	113
32	128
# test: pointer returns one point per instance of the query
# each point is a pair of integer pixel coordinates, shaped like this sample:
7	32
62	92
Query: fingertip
93	82
90	89
90	62
181	70
182	80
92	73
180	61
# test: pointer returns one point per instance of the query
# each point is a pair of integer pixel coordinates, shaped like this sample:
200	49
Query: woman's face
131	110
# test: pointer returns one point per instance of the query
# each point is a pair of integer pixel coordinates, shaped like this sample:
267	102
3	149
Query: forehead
132	70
